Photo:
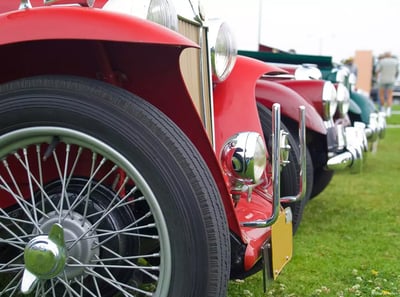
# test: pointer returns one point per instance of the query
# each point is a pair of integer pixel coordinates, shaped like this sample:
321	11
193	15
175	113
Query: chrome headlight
329	102
223	49
307	72
343	99
244	157
342	75
352	80
159	11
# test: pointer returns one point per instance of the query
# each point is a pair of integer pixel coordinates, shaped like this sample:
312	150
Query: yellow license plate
281	242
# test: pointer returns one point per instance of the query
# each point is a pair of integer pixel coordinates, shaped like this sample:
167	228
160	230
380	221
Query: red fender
311	90
14	4
43	23
158	45
269	92
235	109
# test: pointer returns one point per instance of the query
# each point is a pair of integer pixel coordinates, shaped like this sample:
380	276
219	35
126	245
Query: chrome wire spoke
112	234
20	200
12	234
9	264
84	198
75	163
85	265
96	284
9	288
135	266
106	268
83	288
94	157
16	244
22	241
53	286
62	177
40	290
40	172
154	255
114	204
125	231
69	289
14	221
40	188
29	174
118	285
121	204
13	269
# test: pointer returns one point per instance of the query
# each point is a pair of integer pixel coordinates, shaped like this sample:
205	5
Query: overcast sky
335	28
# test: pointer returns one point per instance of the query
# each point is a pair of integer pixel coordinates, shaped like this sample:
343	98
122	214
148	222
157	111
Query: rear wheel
108	191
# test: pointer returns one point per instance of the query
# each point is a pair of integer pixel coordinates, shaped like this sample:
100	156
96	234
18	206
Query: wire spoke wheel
103	195
112	225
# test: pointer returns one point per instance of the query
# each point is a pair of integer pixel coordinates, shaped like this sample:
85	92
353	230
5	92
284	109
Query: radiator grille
194	67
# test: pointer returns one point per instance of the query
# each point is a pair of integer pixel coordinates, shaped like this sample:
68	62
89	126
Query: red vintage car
133	158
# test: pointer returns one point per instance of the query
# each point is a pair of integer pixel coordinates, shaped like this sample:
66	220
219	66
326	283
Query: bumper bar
276	163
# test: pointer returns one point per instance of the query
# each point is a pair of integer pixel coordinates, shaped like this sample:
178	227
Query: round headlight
244	157
223	50
307	72
159	11
343	99
163	12
352	80
342	75
329	102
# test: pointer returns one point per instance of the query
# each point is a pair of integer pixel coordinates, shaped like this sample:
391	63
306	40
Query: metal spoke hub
79	250
45	257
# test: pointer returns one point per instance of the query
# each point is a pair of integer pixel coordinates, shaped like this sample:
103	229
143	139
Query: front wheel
102	195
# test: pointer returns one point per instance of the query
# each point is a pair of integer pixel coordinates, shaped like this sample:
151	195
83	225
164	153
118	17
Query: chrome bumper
376	128
276	164
354	142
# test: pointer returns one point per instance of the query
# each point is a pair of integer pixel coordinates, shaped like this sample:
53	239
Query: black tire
310	168
318	177
322	178
119	166
290	179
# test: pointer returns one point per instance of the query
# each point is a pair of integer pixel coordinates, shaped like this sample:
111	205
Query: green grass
348	243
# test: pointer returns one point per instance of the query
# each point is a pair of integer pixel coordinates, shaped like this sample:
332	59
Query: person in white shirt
387	70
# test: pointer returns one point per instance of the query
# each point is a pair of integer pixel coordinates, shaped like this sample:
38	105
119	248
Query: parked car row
141	155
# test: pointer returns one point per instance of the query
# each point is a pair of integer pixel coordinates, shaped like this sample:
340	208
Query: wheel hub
79	240
44	258
45	255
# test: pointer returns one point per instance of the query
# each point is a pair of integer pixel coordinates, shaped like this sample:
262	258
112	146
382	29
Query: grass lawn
348	243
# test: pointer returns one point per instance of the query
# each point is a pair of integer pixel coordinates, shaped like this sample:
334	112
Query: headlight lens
352	79
244	157
159	11
307	72
342	75
329	102
223	50
343	99
163	12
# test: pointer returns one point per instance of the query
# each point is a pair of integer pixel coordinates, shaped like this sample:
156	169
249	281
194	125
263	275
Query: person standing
387	70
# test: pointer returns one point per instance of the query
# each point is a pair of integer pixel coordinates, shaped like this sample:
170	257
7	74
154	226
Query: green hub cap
45	257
